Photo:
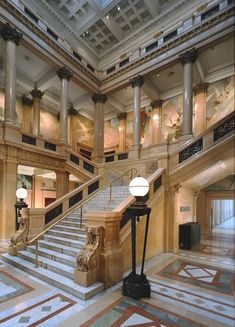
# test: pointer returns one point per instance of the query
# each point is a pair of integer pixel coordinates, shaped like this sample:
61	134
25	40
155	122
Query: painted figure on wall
172	117
220	100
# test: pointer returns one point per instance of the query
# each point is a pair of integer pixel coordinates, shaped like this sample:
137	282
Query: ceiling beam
150	90
153	7
116	104
113	27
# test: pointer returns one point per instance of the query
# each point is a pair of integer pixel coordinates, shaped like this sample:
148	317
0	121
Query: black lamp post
137	285
21	194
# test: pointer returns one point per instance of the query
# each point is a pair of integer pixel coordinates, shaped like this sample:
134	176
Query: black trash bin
189	235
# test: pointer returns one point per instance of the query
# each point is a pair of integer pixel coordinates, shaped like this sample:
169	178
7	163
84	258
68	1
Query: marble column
64	74
99	101
156	121
136	83
37	95
12	38
200	108
26	113
122	131
187	59
72	113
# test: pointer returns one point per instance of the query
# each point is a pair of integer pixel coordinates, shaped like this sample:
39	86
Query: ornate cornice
137	81
26	101
98	97
36	94
72	111
64	73
10	33
200	88
188	56
122	115
156	104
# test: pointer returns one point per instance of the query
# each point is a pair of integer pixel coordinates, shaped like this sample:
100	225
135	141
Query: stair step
61	240
53	255
70	229
60	248
67	235
69	223
51	265
66	284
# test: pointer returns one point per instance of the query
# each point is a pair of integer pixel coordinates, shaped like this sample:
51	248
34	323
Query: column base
134	152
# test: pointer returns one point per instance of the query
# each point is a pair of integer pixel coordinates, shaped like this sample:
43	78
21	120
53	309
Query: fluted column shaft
99	101
64	75
122	132
156	120
12	38
37	95
136	84
187	59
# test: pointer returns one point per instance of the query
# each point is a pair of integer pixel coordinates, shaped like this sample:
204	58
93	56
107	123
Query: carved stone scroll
19	239
88	259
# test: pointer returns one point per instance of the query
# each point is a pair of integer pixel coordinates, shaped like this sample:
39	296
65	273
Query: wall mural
49	125
84	131
111	133
24	181
219	100
172	118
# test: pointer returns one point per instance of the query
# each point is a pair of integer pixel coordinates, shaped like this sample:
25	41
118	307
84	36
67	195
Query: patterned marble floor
191	288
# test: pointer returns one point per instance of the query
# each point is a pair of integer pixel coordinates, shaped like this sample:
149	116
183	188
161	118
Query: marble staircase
58	248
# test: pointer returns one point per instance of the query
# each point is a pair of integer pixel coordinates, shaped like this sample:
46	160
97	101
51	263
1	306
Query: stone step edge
83	293
60	247
51	252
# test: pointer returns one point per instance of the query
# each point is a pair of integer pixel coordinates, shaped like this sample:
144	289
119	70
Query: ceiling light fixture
107	16
118	8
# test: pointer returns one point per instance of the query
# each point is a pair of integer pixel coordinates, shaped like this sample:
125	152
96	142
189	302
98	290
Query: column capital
26	101
72	111
188	56
10	33
36	94
137	81
200	88
122	115
64	73
156	103
98	97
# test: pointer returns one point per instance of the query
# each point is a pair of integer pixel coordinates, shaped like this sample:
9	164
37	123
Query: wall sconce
21	194
136	285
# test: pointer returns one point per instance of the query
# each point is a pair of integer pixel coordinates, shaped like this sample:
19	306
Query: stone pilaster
156	120
187	59
200	91
12	38
37	95
65	75
99	101
122	131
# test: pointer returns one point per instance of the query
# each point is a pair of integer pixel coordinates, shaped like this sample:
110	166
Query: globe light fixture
137	285
139	186
21	193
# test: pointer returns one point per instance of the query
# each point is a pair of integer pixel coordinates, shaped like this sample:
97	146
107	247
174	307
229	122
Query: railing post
81	216
36	259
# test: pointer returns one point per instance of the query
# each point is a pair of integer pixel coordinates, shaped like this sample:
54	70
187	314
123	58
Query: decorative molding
156	103
26	101
100	98
88	258
200	88
36	94
64	73
72	111
137	81
122	115
11	34
188	56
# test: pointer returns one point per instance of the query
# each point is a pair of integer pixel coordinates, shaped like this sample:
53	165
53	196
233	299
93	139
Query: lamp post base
136	286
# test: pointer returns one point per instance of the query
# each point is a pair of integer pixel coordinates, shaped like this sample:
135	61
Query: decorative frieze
11	34
188	56
99	98
137	81
36	94
64	73
200	88
156	104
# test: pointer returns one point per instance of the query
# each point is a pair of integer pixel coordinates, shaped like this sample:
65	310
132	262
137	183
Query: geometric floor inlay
39	312
10	287
128	312
220	280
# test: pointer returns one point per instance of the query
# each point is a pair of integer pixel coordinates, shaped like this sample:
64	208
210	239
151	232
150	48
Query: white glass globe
21	193
139	186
